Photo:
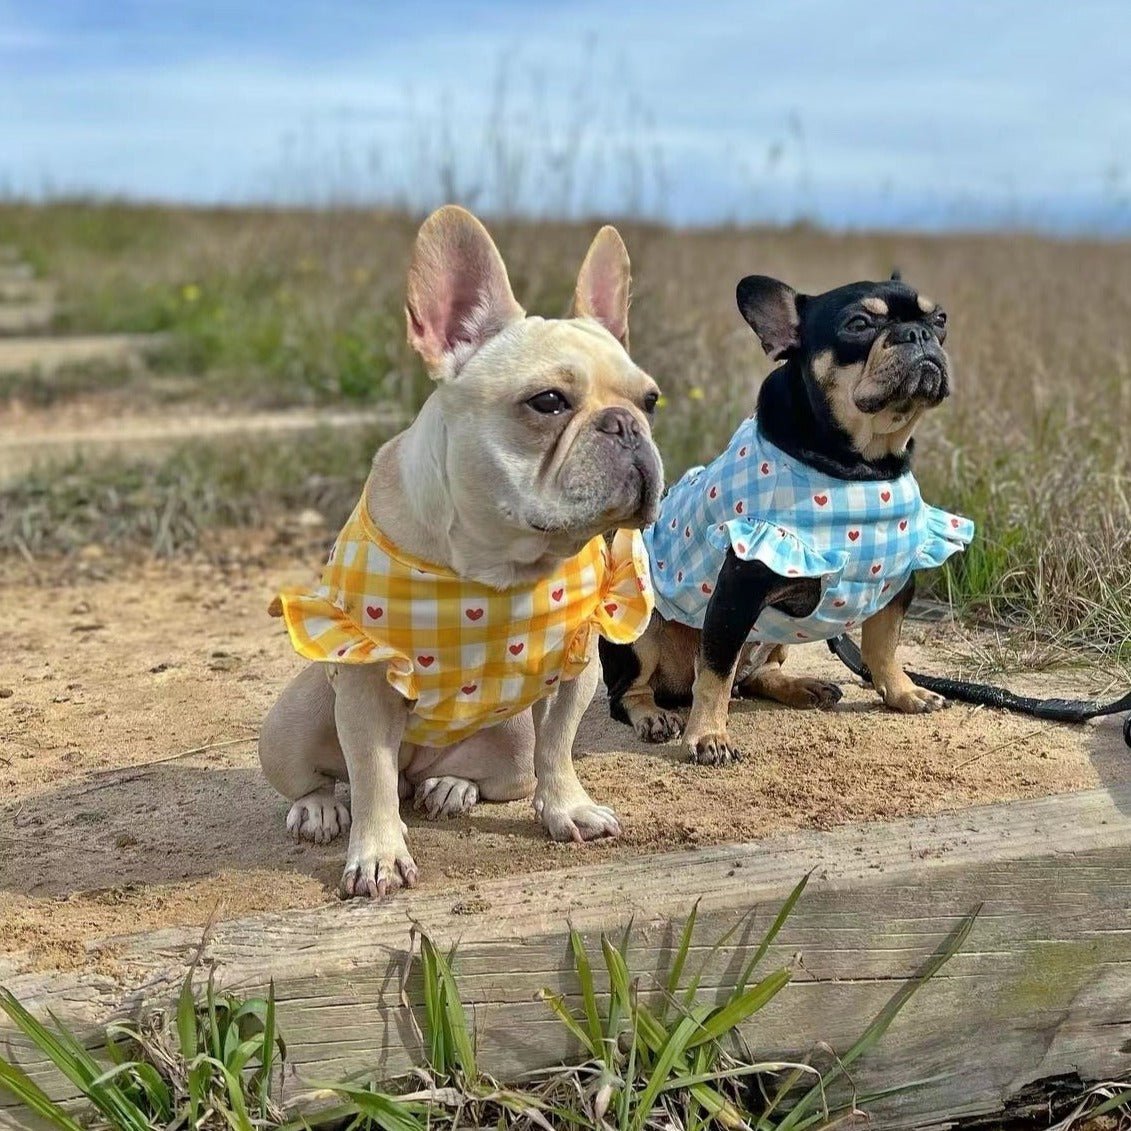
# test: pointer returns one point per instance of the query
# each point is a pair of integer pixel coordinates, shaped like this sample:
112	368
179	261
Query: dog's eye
549	403
857	324
939	317
650	402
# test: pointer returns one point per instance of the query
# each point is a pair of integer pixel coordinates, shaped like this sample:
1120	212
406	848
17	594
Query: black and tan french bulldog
453	598
809	524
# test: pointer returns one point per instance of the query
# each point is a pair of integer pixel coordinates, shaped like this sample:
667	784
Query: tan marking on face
824	369
927	305
873	435
875	305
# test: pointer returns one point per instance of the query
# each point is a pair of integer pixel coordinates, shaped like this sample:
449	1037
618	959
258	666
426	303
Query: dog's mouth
637	505
922	383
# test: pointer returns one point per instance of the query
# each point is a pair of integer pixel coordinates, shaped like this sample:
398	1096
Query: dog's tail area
986	695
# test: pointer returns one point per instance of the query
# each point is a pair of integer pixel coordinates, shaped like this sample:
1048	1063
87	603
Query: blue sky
892	112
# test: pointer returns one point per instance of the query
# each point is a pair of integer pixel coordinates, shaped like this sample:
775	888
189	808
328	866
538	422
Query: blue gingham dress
862	539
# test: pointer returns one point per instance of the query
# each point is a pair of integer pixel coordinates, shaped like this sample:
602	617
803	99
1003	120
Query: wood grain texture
1043	986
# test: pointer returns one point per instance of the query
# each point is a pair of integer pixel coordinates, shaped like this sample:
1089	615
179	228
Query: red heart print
886	496
687	532
660	563
473	614
611	608
558	594
641	583
821	500
839	603
802	636
853	535
425	661
374	612
765	469
706	589
877	567
551	681
954	522
741	547
469	688
679	576
713	493
738	507
885	587
849	623
742	453
792	572
515	649
903	524
500	710
344	650
674	523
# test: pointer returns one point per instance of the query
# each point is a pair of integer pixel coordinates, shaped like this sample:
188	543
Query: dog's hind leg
768	681
302	759
496	764
628	671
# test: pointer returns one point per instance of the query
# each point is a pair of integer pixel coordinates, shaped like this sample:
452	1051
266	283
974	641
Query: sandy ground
130	793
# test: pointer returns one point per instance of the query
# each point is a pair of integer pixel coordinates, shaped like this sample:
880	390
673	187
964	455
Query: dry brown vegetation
284	307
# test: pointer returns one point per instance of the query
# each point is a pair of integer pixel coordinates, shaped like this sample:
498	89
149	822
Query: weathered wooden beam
1042	987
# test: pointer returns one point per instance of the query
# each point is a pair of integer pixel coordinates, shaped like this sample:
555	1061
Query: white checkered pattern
863	540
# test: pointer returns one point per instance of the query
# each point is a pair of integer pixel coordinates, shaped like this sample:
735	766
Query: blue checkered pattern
863	540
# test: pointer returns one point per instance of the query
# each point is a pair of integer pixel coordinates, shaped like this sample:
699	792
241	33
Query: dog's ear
458	295
896	275
773	310
603	284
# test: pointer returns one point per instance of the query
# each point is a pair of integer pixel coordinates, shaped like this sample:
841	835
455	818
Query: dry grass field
274	309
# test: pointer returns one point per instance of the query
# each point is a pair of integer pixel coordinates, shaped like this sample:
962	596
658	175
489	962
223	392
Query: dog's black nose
620	422
908	334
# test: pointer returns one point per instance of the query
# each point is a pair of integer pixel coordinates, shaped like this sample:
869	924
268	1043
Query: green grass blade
671	1054
21	1086
186	1018
596	1042
557	1004
799	1116
740	1007
386	1112
436	1052
620	1004
693	987
267	1059
775	929
680	959
462	1040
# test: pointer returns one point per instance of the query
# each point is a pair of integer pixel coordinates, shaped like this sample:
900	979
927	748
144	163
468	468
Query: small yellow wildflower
190	292
695	393
662	402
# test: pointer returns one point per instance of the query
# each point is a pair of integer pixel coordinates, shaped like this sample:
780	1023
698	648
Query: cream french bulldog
534	444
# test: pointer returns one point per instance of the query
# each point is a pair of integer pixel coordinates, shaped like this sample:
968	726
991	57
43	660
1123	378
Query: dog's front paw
713	750
318	817
915	701
378	872
662	726
445	797
577	819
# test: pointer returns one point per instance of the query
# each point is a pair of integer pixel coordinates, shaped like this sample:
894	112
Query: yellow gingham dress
466	655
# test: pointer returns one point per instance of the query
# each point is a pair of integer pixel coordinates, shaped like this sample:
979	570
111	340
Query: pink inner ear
459	297
604	290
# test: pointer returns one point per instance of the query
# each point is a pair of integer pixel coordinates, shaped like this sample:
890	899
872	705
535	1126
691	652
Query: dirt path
91	427
132	798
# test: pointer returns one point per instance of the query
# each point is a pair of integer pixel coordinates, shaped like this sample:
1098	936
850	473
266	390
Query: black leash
981	694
